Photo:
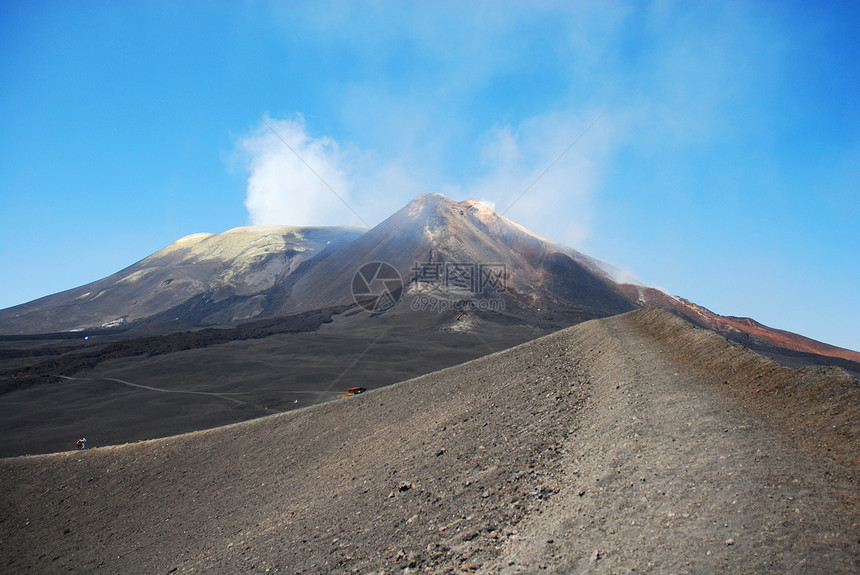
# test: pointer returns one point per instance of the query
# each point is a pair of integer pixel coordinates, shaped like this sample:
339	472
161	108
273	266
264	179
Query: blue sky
724	166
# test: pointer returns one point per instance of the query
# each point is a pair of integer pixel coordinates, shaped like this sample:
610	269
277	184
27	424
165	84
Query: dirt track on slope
676	470
634	442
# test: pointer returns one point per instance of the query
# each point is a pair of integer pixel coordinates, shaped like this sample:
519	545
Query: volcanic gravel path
671	473
632	443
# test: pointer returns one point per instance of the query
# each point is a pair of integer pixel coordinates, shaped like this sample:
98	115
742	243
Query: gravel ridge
636	442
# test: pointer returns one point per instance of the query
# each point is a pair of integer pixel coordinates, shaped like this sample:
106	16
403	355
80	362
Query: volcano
220	328
271	271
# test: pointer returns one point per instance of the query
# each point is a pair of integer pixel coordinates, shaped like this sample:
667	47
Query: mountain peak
431	197
426	204
442	234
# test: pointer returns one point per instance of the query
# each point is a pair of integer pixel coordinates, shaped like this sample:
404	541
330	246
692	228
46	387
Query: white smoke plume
294	178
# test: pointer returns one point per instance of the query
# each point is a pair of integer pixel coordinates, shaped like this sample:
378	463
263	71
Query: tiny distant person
82	443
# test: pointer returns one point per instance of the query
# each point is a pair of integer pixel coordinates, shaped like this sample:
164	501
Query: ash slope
746	331
637	441
229	273
271	271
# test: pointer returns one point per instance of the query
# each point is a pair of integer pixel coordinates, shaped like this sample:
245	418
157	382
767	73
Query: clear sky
724	165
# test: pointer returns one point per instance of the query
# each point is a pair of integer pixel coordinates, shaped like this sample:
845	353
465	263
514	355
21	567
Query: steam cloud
282	189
